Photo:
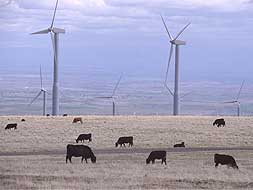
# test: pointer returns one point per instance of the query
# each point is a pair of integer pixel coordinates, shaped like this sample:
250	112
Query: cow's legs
66	159
124	144
82	159
86	160
153	161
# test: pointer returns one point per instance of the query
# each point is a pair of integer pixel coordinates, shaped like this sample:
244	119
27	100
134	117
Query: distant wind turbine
42	91
236	101
177	43
112	97
54	32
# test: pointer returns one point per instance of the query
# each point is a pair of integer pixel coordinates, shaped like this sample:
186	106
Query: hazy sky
128	36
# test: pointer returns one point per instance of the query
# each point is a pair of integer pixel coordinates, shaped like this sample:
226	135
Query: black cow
225	160
156	155
179	145
124	140
80	151
83	137
77	119
65	115
219	122
22	120
48	115
11	125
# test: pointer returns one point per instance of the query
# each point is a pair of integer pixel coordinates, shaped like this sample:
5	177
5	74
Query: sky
128	36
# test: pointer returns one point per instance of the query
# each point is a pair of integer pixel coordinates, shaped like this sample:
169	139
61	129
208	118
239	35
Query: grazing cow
219	122
156	155
225	160
179	145
22	120
64	115
48	114
80	151
76	119
124	140
83	137
11	125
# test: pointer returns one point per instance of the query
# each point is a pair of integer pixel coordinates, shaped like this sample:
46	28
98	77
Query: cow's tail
215	158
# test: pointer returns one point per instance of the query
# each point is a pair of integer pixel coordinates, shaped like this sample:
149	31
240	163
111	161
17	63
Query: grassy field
184	170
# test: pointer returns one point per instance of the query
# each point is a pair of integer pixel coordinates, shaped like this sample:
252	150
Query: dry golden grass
54	133
125	171
186	170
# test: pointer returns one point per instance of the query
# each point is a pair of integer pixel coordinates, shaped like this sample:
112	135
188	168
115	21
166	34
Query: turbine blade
166	86
104	97
171	38
182	31
41	86
170	56
230	102
54	14
58	30
35	97
46	31
239	93
115	88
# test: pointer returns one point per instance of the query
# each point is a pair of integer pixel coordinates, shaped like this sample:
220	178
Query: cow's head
93	159
147	161
116	144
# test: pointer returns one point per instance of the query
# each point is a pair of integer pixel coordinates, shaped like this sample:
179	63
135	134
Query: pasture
27	159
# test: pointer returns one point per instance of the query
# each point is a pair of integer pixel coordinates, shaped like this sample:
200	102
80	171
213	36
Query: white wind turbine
177	43
236	101
54	32
112	97
42	91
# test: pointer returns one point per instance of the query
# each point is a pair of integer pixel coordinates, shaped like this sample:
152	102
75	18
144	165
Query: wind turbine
42	91
177	43
236	101
54	32
112	97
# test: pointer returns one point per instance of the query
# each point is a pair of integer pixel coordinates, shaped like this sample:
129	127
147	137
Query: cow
65	115
11	125
225	160
179	145
156	155
48	115
219	122
123	140
83	137
80	151
76	119
22	120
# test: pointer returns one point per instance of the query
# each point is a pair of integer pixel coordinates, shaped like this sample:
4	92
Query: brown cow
77	119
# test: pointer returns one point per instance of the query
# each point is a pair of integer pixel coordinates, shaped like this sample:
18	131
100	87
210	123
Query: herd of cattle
86	153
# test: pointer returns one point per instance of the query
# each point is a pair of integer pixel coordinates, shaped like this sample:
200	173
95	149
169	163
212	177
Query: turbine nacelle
178	42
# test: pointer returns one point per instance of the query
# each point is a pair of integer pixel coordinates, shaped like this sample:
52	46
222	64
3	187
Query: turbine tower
174	42
54	32
236	101
42	91
112	97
